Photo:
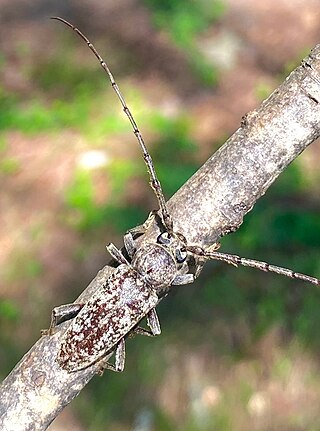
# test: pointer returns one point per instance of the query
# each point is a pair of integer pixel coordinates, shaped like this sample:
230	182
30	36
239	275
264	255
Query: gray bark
211	204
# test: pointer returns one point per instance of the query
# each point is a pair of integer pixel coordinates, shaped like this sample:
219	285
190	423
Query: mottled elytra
134	288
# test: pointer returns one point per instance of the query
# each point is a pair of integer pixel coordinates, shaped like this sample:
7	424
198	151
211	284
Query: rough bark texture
211	204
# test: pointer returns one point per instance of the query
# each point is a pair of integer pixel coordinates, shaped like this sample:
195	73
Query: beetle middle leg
183	279
61	314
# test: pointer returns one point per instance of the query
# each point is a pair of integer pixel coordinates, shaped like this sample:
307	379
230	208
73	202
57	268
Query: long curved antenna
154	182
263	266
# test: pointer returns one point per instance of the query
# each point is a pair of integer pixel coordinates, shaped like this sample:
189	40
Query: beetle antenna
262	266
154	182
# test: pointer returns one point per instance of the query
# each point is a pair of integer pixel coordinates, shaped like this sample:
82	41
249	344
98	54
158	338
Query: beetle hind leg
120	356
120	352
152	322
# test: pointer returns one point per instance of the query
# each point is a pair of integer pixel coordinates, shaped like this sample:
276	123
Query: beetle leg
183	279
120	356
152	322
61	314
116	254
141	229
129	244
200	261
138	230
199	268
141	331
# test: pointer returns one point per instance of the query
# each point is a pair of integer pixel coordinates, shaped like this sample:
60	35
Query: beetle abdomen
106	318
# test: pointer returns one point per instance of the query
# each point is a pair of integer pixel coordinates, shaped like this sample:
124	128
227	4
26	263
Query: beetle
138	282
130	293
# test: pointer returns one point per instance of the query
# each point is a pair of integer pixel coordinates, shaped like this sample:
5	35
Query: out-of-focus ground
239	349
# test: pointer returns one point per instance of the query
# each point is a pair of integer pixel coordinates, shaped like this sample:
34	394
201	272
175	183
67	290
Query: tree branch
211	204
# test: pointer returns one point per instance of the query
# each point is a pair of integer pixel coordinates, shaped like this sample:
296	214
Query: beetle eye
164	238
181	255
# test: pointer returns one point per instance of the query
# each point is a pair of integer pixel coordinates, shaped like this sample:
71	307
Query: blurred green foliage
9	310
283	228
174	152
294	62
262	90
88	215
22	266
10	314
37	116
61	76
184	21
9	166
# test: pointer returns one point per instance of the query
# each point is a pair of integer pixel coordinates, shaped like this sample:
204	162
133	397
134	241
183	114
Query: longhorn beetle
135	287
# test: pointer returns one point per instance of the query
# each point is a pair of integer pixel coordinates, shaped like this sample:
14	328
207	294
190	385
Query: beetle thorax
156	264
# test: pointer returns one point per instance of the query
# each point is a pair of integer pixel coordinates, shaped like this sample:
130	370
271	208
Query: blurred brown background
239	349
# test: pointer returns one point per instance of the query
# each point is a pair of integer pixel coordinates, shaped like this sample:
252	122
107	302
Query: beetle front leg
202	260
128	239
189	278
129	244
183	279
199	268
61	314
141	229
116	254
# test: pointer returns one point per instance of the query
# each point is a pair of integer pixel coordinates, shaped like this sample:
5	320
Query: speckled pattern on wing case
106	318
